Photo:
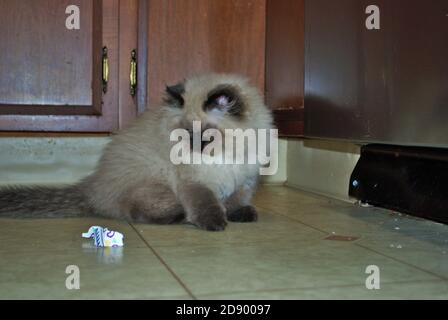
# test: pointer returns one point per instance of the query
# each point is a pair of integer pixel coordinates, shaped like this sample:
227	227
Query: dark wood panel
194	36
285	64
285	54
417	78
388	85
373	92
346	87
332	68
290	123
128	42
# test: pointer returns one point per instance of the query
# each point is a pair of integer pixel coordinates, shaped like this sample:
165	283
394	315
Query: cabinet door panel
51	76
188	37
44	63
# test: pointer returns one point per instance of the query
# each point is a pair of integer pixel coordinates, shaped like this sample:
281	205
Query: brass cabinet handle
133	73
105	69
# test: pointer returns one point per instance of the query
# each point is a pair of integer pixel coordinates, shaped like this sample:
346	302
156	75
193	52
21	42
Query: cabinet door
51	76
189	37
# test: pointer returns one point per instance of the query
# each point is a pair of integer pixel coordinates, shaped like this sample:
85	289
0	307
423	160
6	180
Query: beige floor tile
269	228
416	290
57	234
421	254
128	273
336	217
282	256
419	242
281	264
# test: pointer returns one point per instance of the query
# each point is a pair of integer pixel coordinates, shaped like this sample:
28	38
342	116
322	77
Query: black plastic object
412	180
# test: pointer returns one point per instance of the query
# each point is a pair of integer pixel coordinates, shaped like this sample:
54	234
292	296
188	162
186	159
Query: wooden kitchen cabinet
51	76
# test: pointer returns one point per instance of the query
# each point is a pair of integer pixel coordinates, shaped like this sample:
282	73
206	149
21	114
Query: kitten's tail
43	202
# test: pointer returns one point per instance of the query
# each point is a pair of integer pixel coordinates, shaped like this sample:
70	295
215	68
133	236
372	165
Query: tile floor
303	247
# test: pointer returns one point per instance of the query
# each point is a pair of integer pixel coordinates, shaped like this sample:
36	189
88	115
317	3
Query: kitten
135	178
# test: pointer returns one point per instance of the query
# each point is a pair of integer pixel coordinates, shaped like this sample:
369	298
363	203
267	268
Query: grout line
176	277
403	262
312	288
293	219
365	247
319	195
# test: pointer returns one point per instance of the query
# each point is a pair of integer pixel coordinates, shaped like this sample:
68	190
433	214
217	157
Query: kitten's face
218	101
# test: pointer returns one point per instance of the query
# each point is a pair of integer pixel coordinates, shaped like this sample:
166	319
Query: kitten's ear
174	94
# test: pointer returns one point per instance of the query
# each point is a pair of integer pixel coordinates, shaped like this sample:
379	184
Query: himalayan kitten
135	178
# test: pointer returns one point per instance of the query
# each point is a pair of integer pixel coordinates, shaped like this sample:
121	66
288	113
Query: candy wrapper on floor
103	237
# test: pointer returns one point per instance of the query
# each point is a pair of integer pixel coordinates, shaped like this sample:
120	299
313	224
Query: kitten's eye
224	101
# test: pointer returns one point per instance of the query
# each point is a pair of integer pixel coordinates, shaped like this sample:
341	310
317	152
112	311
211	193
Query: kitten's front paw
212	219
243	214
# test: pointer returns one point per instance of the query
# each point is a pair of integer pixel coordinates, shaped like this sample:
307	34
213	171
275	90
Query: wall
281	175
37	160
321	166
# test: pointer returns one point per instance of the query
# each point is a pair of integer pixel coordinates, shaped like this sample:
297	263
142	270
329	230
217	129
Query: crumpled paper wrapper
103	237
